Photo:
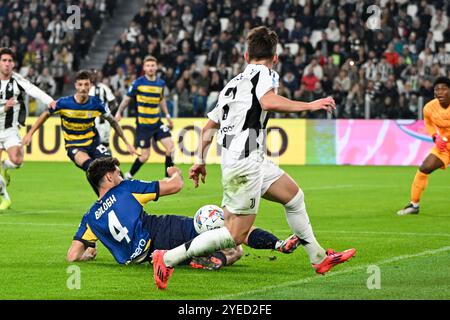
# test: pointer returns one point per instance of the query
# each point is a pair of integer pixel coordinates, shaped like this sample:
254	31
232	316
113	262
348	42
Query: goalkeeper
437	121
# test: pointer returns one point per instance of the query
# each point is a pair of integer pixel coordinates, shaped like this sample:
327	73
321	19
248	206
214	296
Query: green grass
348	207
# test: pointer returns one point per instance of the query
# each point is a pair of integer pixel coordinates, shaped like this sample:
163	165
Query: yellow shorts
443	156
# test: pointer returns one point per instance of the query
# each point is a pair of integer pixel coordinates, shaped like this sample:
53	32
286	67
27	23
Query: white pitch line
333	274
413	234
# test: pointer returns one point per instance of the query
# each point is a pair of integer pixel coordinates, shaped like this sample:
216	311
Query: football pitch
397	257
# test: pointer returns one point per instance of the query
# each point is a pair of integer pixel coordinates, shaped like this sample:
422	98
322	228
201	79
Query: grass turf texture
348	207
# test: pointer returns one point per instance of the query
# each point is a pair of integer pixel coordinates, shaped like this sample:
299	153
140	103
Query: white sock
415	204
7	164
298	220
3	191
205	243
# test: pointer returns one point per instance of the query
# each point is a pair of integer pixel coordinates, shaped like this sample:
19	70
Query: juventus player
13	112
104	93
241	116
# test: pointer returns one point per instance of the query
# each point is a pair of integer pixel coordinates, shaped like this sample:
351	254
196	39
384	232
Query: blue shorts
94	151
144	134
169	231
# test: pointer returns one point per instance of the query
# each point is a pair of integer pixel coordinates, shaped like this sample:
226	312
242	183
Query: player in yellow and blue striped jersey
148	91
78	113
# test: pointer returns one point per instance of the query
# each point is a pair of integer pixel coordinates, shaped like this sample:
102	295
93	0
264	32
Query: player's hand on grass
9	104
327	103
195	171
441	142
89	254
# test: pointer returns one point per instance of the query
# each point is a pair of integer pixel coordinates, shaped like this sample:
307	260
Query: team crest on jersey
142	143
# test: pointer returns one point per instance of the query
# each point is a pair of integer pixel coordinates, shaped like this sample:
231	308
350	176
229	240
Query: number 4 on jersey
114	224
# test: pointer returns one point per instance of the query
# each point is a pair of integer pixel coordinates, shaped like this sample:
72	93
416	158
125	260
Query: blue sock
261	239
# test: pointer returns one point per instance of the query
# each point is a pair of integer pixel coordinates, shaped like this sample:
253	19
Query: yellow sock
418	186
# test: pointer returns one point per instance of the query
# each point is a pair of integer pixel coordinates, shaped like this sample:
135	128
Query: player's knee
17	161
426	169
296	203
144	157
239	236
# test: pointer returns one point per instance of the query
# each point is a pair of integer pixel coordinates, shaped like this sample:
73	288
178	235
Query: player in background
78	113
13	88
437	122
149	93
241	116
105	94
119	221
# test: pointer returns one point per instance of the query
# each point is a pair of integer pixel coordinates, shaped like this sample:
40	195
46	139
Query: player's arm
34	91
119	131
199	168
164	109
39	122
78	251
125	102
433	131
273	102
173	184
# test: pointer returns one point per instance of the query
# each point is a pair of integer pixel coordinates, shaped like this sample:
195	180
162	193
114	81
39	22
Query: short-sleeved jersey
148	95
78	120
238	111
437	119
117	220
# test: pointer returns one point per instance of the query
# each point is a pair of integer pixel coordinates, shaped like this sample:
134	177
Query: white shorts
9	138
245	181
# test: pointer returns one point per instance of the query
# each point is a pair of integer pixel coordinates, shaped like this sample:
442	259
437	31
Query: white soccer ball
208	217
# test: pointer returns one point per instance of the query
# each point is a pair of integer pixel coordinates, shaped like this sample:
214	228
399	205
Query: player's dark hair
98	169
7	51
262	43
443	80
83	75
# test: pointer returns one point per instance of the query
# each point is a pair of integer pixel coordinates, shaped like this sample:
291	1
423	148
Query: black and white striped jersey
16	87
103	92
239	113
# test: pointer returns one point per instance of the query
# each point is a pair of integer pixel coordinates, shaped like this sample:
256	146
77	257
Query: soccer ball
208	217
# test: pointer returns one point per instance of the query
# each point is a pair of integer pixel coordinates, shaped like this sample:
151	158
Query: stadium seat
289	24
224	24
293	48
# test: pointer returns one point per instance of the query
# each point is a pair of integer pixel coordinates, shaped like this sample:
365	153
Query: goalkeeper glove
441	142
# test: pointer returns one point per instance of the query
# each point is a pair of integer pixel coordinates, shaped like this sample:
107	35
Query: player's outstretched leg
333	258
161	273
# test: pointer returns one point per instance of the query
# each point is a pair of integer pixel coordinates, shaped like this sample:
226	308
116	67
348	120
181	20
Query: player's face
117	178
150	68
442	93
6	64
82	87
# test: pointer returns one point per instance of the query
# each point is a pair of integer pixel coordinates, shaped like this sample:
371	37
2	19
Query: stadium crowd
47	42
331	47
